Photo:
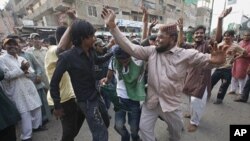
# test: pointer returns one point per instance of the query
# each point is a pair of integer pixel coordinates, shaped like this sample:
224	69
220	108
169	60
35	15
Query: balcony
41	11
62	5
174	3
23	4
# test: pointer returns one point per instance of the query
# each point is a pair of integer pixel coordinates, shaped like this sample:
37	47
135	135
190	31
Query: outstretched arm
65	42
180	39
145	22
218	36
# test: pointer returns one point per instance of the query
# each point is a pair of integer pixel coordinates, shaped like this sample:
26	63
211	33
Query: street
214	125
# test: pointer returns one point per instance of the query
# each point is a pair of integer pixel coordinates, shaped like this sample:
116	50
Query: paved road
214	125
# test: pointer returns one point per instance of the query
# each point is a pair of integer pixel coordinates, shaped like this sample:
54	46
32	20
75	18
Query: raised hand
108	16
71	13
218	54
145	14
154	22
180	23
67	17
225	13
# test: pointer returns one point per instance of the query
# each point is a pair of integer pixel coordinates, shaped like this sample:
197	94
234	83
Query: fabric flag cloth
231	26
110	91
230	2
190	1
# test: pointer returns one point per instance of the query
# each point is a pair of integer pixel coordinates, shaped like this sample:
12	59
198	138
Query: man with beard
166	77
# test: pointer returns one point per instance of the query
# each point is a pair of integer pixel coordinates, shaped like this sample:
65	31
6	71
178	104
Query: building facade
47	12
6	22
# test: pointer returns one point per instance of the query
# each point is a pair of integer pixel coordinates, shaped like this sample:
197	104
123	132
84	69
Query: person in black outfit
79	62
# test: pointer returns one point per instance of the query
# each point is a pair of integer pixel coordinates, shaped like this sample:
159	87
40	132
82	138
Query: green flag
231	26
190	1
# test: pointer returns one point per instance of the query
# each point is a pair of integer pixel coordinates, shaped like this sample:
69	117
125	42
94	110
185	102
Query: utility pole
211	16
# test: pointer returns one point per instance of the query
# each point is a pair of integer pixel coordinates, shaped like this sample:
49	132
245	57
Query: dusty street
214	125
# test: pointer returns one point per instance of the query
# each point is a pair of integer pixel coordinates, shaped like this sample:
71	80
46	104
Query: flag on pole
230	2
190	1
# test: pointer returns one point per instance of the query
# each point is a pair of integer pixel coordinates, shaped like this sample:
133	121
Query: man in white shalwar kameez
20	89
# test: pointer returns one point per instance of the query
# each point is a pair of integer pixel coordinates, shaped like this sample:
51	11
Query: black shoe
40	128
218	101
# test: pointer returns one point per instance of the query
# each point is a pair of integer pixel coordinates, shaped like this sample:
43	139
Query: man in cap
20	89
166	77
101	49
39	52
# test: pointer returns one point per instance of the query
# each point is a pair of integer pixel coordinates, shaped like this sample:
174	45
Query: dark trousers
225	76
8	134
72	120
95	119
45	107
133	120
246	89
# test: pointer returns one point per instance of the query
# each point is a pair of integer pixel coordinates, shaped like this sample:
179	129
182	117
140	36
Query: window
125	13
92	11
160	1
149	4
161	18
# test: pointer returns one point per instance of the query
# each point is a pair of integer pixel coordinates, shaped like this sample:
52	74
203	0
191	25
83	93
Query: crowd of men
149	76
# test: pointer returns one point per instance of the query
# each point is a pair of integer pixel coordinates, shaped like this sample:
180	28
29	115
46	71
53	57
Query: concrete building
203	16
6	22
47	12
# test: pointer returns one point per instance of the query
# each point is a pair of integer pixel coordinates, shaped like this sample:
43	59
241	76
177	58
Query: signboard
28	23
